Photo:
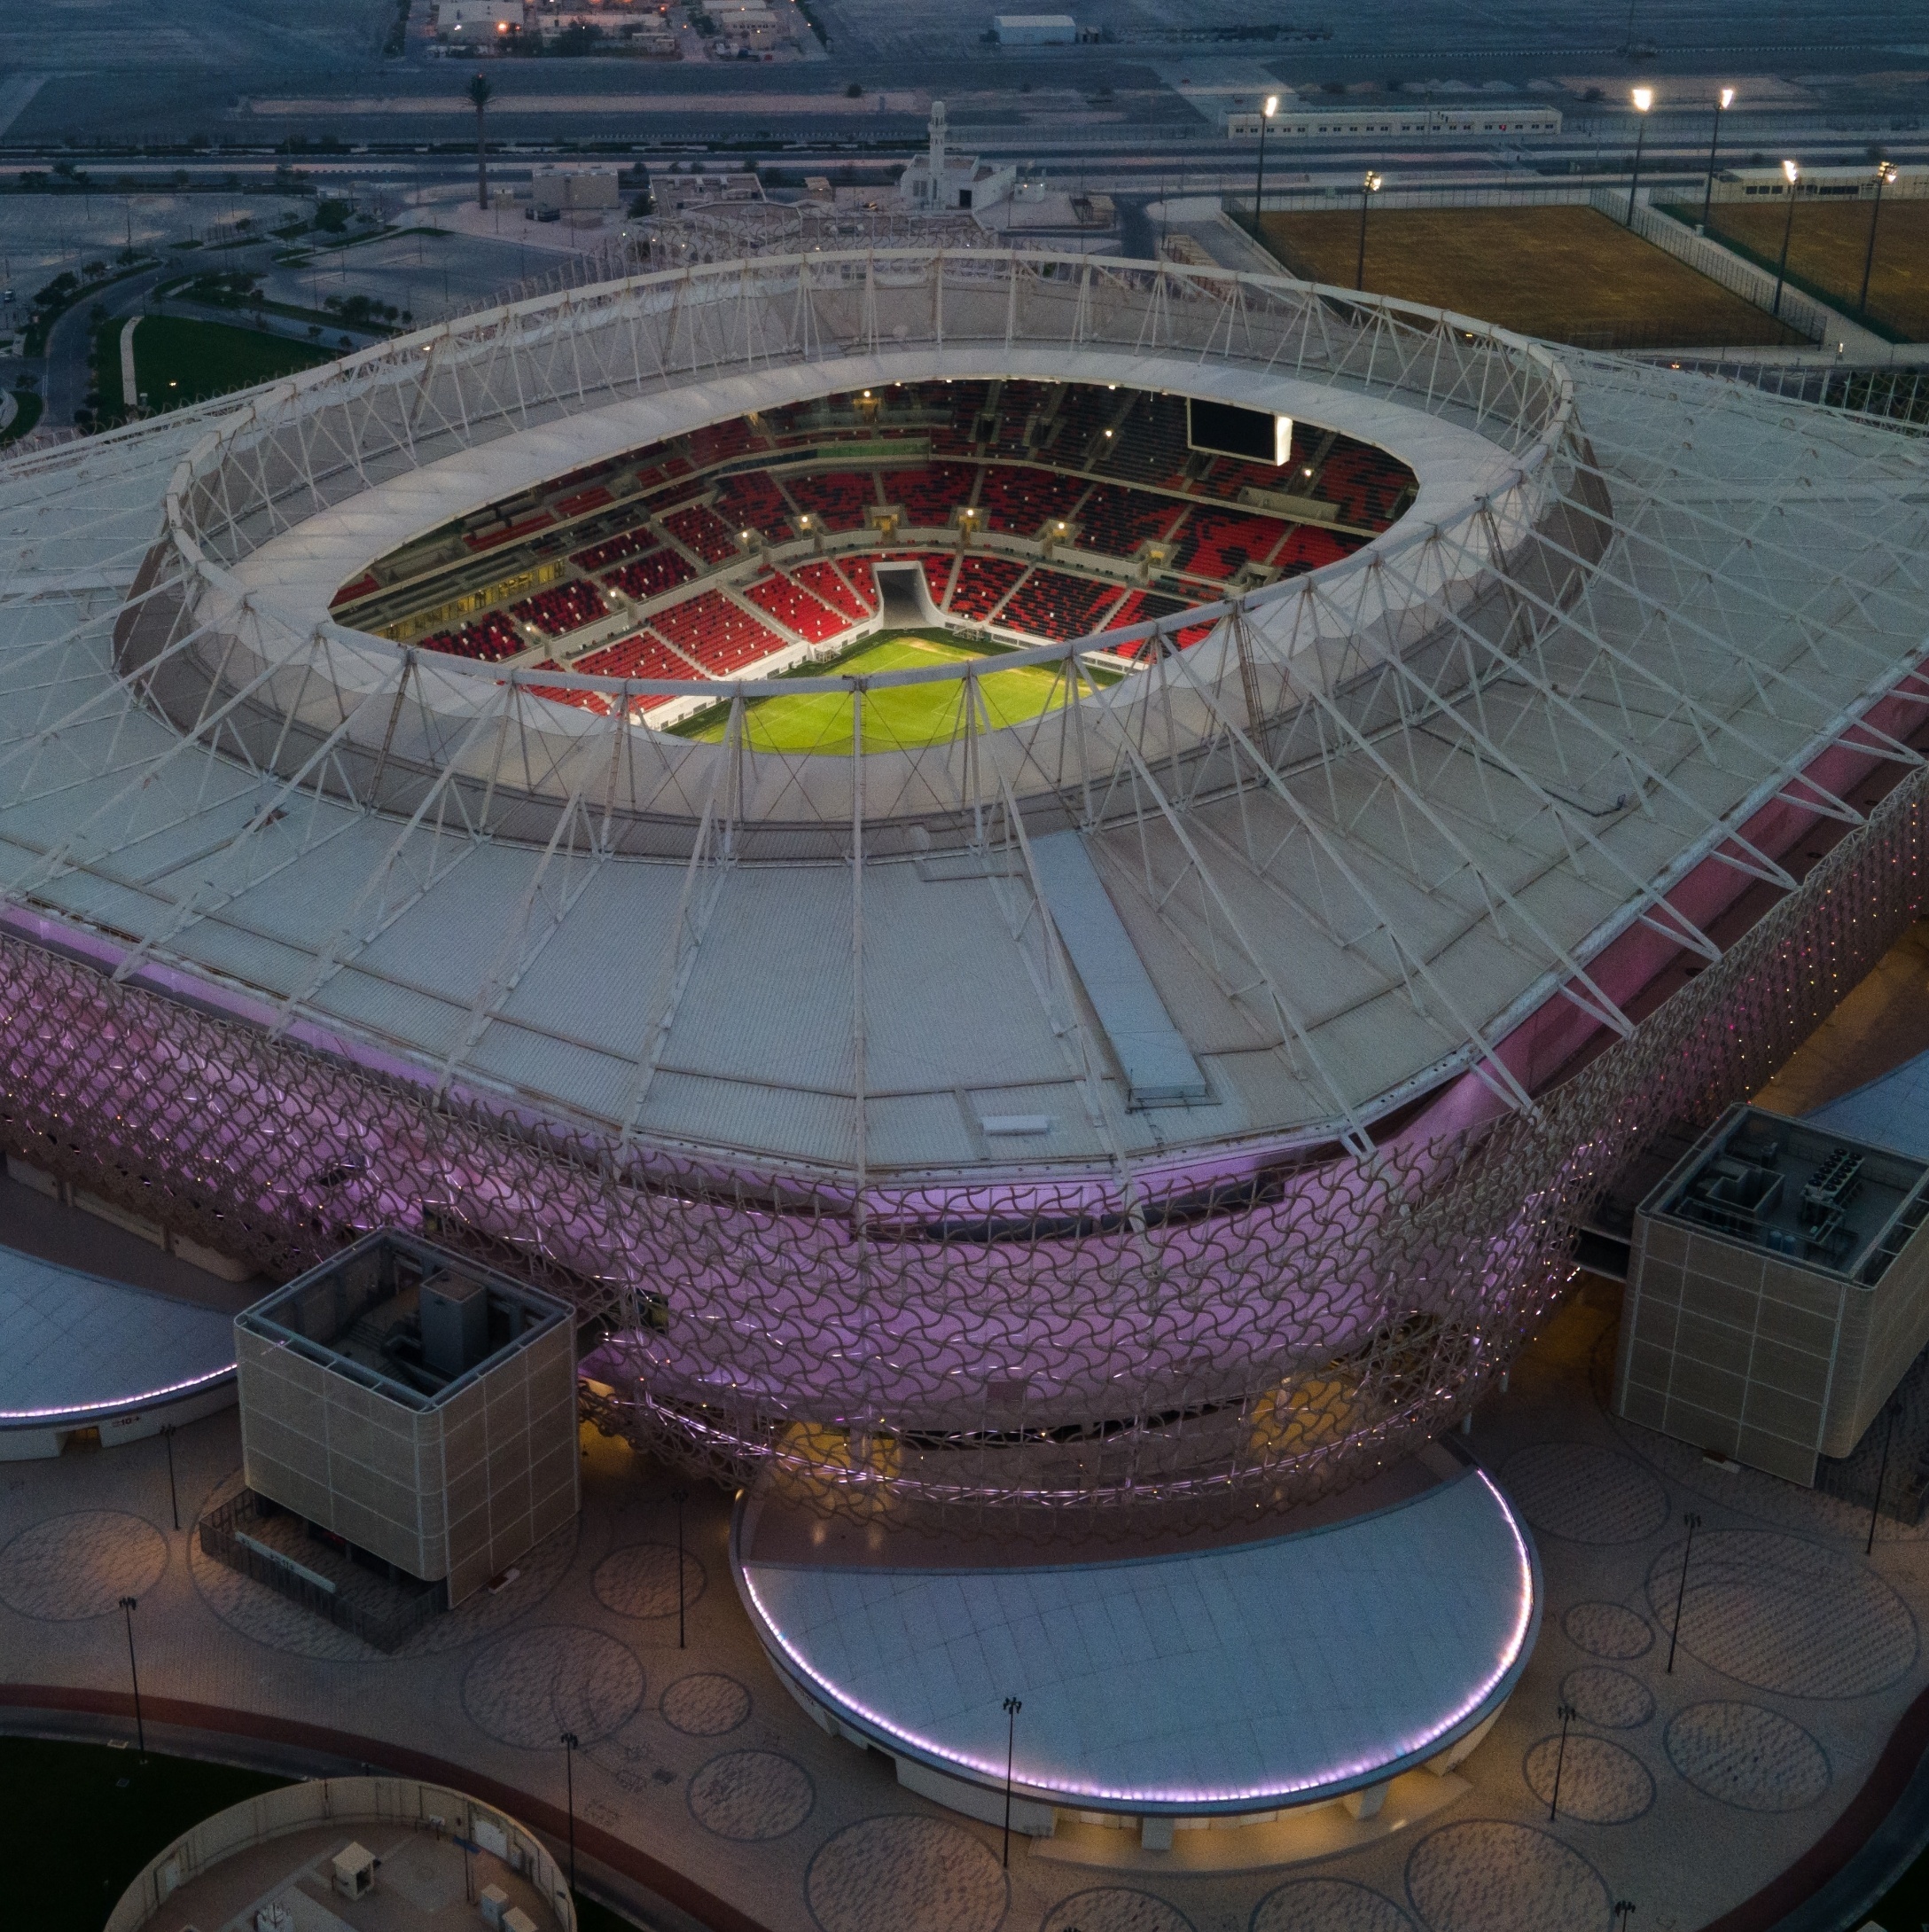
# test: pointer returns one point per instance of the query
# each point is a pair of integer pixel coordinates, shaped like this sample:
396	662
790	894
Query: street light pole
1267	112
569	1742
174	1494
1885	174
680	1496
1369	188
1724	101
1692	1523
1644	99
1792	173
1011	1708
1624	1910
129	1605
1567	1714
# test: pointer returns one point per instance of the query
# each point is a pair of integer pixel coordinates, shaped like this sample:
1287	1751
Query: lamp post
1792	173
1624	1910
1369	188
1882	1471
1011	1708
1885	174
1566	1713
1644	99
174	1494
568	1741
1690	1522
680	1496
1266	114
1724	101
129	1605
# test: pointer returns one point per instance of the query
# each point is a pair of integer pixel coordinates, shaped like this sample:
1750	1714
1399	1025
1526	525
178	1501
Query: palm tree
480	92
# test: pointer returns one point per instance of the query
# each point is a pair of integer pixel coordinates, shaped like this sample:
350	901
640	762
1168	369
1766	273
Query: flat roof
1798	1189
75	1347
1225	1681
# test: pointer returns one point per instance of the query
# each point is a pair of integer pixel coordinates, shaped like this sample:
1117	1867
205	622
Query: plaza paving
1685	1792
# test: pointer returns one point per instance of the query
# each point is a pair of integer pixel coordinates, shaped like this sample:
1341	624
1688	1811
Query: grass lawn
94	1816
1567	273
896	718
178	361
25	417
1827	246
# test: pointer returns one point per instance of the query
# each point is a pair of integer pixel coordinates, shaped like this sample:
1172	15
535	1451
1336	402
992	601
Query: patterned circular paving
1584	1494
1601	1783
1608	1629
641	1581
1327	1904
528	1688
1754	1759
1610	1700
705	1705
80	1565
1488	1876
1114	1908
901	1873
752	1796
1784	1614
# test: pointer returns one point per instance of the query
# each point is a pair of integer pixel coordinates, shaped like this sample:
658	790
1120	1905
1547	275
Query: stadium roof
1351	841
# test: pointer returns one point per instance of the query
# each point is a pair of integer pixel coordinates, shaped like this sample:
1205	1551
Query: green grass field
178	361
898	717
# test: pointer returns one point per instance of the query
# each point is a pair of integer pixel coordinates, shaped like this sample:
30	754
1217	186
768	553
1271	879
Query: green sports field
897	717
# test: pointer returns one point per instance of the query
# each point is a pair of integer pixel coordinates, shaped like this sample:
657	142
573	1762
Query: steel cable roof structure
1150	1103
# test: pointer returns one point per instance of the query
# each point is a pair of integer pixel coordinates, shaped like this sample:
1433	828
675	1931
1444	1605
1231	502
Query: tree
480	93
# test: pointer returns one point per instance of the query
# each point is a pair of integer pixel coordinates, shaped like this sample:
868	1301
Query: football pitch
898	717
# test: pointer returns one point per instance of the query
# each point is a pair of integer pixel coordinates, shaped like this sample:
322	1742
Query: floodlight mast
1885	174
1644	99
1369	188
1792	173
1267	112
1724	101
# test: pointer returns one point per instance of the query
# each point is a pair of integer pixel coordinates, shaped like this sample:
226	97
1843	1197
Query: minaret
936	162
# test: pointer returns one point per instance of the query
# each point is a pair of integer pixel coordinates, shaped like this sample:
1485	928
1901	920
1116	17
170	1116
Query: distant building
479	23
1294	123
570	189
1909	183
937	180
1034	29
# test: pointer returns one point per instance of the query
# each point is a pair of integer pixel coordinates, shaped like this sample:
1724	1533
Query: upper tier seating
562	608
1020	499
751	501
650	575
929	496
1049	604
1115	521
790	603
488	640
827	583
614	548
1308	546
1365	482
720	635
703	531
493	536
1216	542
982	582
838	500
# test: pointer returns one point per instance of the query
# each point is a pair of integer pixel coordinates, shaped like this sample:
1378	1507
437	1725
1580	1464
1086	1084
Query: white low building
938	179
479	23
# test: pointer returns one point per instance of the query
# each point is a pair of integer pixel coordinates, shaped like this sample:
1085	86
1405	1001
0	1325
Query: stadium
1039	970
